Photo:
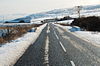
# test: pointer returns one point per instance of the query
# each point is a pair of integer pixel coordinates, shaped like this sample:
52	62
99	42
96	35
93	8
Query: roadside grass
15	32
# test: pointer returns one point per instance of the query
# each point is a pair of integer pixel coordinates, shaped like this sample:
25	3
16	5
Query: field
10	31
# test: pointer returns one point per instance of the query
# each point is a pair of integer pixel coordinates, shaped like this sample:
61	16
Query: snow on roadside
92	37
11	52
66	21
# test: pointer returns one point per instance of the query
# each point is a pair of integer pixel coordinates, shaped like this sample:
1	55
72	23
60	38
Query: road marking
54	32
48	29
60	42
73	64
62	46
56	35
46	56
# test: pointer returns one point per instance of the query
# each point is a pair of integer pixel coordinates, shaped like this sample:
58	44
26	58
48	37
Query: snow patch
92	37
11	52
66	21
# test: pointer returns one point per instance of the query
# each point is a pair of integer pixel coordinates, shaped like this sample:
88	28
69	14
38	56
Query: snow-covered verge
11	52
66	21
92	37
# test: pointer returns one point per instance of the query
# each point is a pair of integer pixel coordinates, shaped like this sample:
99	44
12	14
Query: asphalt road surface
57	47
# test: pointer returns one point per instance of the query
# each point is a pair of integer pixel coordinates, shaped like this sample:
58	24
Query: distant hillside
7	17
66	11
91	7
56	12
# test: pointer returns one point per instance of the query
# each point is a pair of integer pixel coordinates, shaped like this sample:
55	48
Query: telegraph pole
78	8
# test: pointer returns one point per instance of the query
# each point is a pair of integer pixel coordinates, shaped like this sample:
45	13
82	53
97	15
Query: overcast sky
34	6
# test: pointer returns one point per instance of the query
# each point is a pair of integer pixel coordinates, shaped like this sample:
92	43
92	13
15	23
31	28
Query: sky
35	6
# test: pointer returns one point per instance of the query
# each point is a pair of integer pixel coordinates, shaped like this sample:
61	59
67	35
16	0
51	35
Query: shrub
63	24
21	21
88	23
64	18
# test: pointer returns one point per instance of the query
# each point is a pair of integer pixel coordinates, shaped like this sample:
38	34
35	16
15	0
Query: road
57	47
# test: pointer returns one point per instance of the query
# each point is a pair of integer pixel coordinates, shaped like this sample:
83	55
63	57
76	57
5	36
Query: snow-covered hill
86	10
68	11
7	17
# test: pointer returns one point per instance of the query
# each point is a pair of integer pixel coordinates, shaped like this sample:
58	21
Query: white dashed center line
60	42
72	63
62	46
56	35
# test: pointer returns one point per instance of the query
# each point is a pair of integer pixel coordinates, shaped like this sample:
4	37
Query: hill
66	11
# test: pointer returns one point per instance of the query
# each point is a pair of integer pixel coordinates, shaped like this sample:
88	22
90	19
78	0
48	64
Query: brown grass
15	32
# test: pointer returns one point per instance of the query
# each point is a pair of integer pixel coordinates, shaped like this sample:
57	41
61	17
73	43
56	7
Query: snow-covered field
7	17
38	20
13	24
92	37
11	52
66	21
86	14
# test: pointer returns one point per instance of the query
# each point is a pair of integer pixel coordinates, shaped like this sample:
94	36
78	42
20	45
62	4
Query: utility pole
56	18
78	9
